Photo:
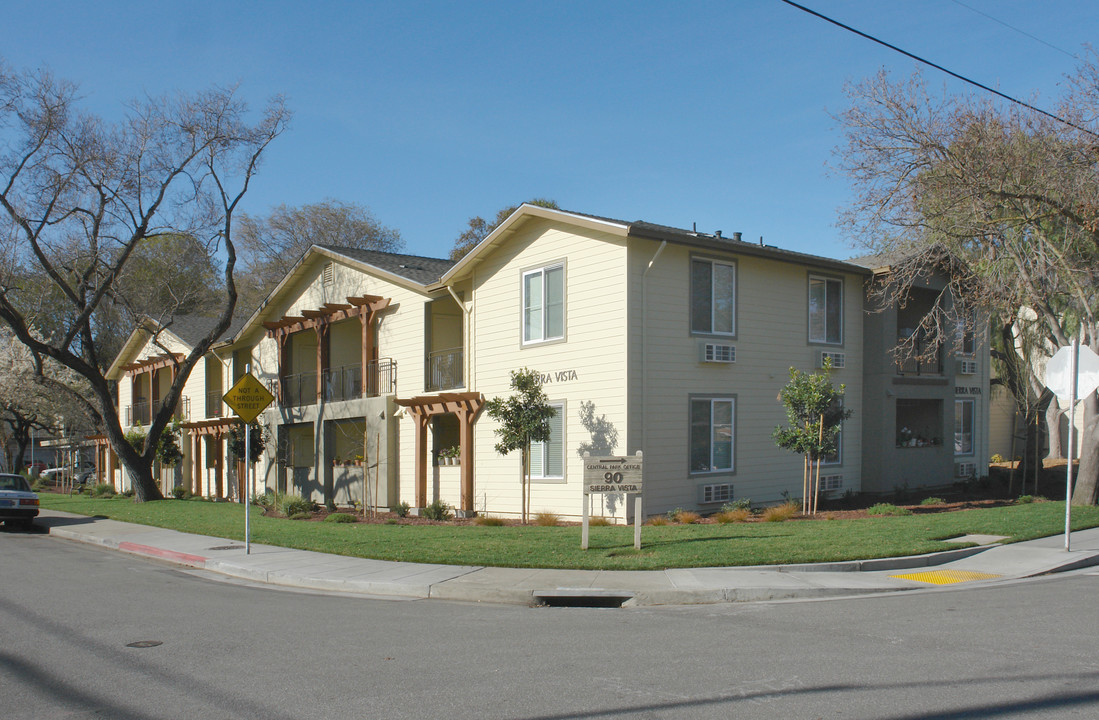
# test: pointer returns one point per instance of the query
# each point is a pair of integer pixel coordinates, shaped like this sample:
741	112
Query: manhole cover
227	547
144	644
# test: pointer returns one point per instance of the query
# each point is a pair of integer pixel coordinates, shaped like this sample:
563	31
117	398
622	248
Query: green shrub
887	509
437	510
293	505
301	516
997	458
38	485
741	504
127	493
402	509
393	521
103	490
932	501
1027	499
673	515
179	492
340	518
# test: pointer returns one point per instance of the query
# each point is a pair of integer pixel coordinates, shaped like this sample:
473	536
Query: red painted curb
196	560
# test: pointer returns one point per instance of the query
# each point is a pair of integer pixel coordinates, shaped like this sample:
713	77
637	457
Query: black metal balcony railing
215	407
381	377
343	383
300	389
923	358
142	412
444	370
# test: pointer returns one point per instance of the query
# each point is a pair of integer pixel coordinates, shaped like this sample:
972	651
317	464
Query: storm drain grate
945	577
581	597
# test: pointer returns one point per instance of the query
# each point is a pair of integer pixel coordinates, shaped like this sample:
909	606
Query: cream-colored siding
587	365
772	336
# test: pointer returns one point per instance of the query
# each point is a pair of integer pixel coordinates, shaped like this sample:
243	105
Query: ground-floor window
712	429
963	427
547	459
919	423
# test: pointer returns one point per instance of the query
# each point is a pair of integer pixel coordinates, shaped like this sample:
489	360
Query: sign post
614	474
248	398
1071	372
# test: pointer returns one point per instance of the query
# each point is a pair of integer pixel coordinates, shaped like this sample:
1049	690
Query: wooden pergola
217	429
103	452
466	405
364	307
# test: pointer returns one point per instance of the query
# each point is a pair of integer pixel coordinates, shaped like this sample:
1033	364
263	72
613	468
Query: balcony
923	358
141	412
341	383
443	370
299	390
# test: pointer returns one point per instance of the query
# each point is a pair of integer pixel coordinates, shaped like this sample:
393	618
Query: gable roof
419	269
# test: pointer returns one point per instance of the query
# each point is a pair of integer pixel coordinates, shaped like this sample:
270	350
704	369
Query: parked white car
63	471
18	505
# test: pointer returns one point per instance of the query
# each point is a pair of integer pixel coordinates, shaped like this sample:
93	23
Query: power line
951	73
1018	30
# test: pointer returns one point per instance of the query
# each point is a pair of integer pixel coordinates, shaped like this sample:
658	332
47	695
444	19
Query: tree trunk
144	484
1053	430
1087	479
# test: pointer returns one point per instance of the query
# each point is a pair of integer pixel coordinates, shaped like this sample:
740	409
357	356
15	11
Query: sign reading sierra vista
617	474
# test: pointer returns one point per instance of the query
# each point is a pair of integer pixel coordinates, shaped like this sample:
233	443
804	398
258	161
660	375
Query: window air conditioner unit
967	367
964	470
716	493
839	360
829	483
717	353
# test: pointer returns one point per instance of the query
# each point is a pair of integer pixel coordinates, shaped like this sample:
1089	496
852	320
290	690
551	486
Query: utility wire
951	73
1024	33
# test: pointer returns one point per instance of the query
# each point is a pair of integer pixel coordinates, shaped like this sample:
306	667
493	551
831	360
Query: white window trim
711	399
541	447
809	310
712	262
523	304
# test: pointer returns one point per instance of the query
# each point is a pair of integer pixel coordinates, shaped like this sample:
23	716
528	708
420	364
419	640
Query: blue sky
427	113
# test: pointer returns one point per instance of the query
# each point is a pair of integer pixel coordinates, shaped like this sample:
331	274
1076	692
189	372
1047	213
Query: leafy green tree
479	228
815	413
524	418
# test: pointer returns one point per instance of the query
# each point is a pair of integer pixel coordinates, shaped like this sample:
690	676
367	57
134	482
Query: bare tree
1002	199
269	246
478	228
80	196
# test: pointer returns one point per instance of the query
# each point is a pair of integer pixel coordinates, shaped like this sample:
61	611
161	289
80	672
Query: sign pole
248	398
247	488
1073	383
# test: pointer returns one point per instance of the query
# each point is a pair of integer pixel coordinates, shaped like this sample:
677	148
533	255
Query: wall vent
329	276
716	493
964	470
967	367
839	360
718	353
828	483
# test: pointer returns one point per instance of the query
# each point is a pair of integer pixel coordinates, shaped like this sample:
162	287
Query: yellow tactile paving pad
945	577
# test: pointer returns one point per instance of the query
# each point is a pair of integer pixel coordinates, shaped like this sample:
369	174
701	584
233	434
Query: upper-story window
825	310
965	337
713	297
544	304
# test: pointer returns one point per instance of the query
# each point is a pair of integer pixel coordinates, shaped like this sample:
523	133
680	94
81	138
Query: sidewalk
988	563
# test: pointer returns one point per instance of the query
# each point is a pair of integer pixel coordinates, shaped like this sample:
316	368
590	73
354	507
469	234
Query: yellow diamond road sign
248	397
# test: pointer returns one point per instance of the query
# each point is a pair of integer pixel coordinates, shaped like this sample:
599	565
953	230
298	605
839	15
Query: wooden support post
421	459
465	441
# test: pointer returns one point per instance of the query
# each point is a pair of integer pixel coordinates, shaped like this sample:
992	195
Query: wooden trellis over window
466	406
365	307
152	364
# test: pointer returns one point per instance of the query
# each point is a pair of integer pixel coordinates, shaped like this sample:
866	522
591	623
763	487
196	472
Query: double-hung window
544	304
825	310
547	459
713	297
712	428
963	427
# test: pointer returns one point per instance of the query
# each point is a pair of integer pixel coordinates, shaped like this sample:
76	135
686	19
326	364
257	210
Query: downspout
466	374
645	343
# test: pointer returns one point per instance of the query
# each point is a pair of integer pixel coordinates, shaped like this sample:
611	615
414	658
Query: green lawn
611	548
